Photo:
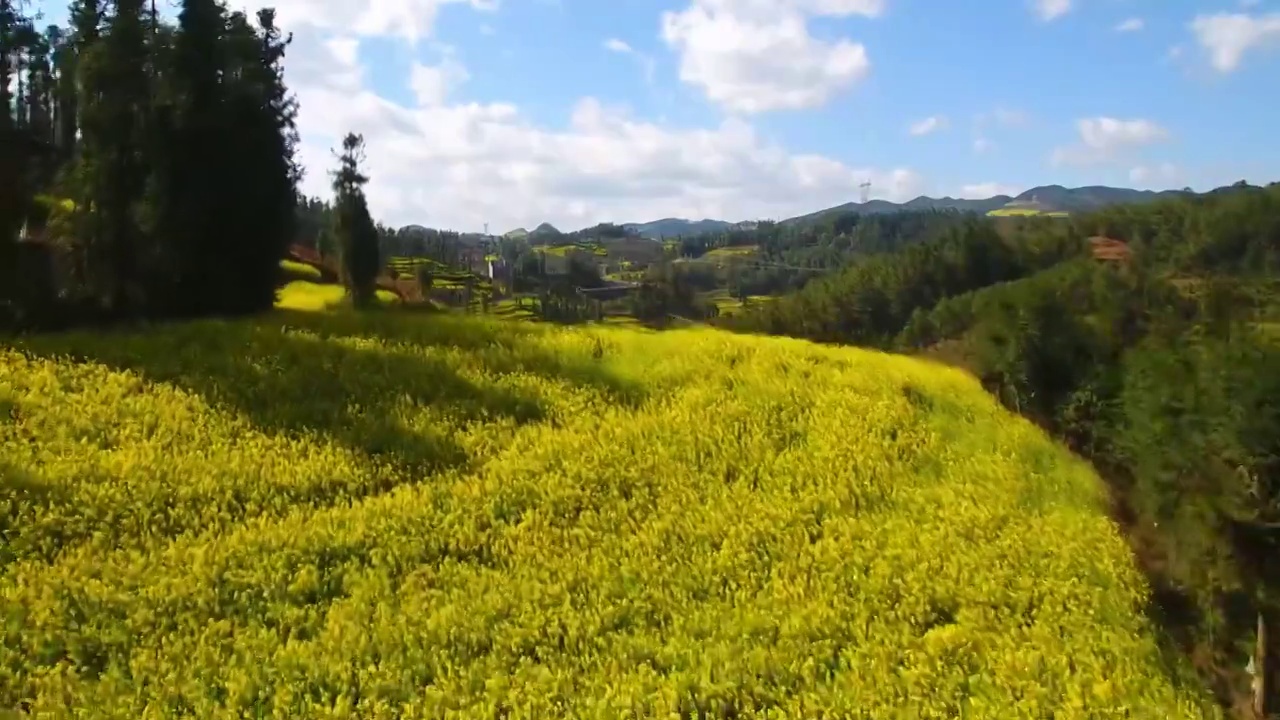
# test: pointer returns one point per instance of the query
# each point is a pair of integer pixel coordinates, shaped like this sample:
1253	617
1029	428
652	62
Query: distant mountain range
1043	199
670	227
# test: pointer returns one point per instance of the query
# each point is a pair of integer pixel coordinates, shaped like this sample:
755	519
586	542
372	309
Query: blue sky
575	111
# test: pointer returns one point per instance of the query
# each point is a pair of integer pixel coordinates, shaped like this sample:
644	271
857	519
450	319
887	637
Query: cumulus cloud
1227	37
431	84
752	56
1048	10
446	163
928	125
410	19
1104	139
981	191
1133	24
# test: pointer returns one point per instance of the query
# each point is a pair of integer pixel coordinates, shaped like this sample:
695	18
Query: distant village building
495	267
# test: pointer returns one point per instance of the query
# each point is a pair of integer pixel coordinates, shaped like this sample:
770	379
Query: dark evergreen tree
123	107
265	176
191	178
354	227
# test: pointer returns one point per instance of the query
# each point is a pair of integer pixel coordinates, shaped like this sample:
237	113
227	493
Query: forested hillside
1161	363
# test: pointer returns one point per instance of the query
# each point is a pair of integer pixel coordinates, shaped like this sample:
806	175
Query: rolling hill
920	203
405	515
671	227
544	232
1054	199
1049	199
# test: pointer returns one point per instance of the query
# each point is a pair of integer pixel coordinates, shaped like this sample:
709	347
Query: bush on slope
330	516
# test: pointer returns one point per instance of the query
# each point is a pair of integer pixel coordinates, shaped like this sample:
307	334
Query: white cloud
618	46
982	145
410	19
1103	139
928	125
1133	24
981	191
647	64
431	84
460	165
752	56
1048	10
1227	37
1161	176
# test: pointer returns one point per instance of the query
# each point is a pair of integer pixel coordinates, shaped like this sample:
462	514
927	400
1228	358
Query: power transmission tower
866	190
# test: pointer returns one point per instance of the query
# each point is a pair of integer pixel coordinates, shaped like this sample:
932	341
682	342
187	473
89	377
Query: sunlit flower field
313	515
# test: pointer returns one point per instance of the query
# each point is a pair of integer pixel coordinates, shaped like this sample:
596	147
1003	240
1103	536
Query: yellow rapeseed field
306	295
332	516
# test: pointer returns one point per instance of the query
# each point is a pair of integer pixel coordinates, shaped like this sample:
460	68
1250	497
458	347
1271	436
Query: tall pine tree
266	176
356	233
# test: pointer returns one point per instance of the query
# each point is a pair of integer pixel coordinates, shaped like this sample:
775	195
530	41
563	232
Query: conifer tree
123	105
190	174
12	159
356	233
264	175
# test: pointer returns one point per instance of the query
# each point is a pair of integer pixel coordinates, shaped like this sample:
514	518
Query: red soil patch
1109	249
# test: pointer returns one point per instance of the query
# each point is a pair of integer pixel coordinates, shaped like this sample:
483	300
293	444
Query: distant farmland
1025	212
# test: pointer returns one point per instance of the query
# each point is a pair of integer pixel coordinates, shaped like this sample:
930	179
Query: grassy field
1025	212
726	304
732	251
564	250
322	515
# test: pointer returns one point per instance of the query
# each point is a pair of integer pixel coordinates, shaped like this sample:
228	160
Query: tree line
788	255
1161	366
152	161
148	167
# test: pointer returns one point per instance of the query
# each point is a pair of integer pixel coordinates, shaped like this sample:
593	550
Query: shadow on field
286	381
21	489
514	341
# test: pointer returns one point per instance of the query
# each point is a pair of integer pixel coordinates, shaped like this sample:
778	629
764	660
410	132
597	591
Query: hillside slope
311	515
